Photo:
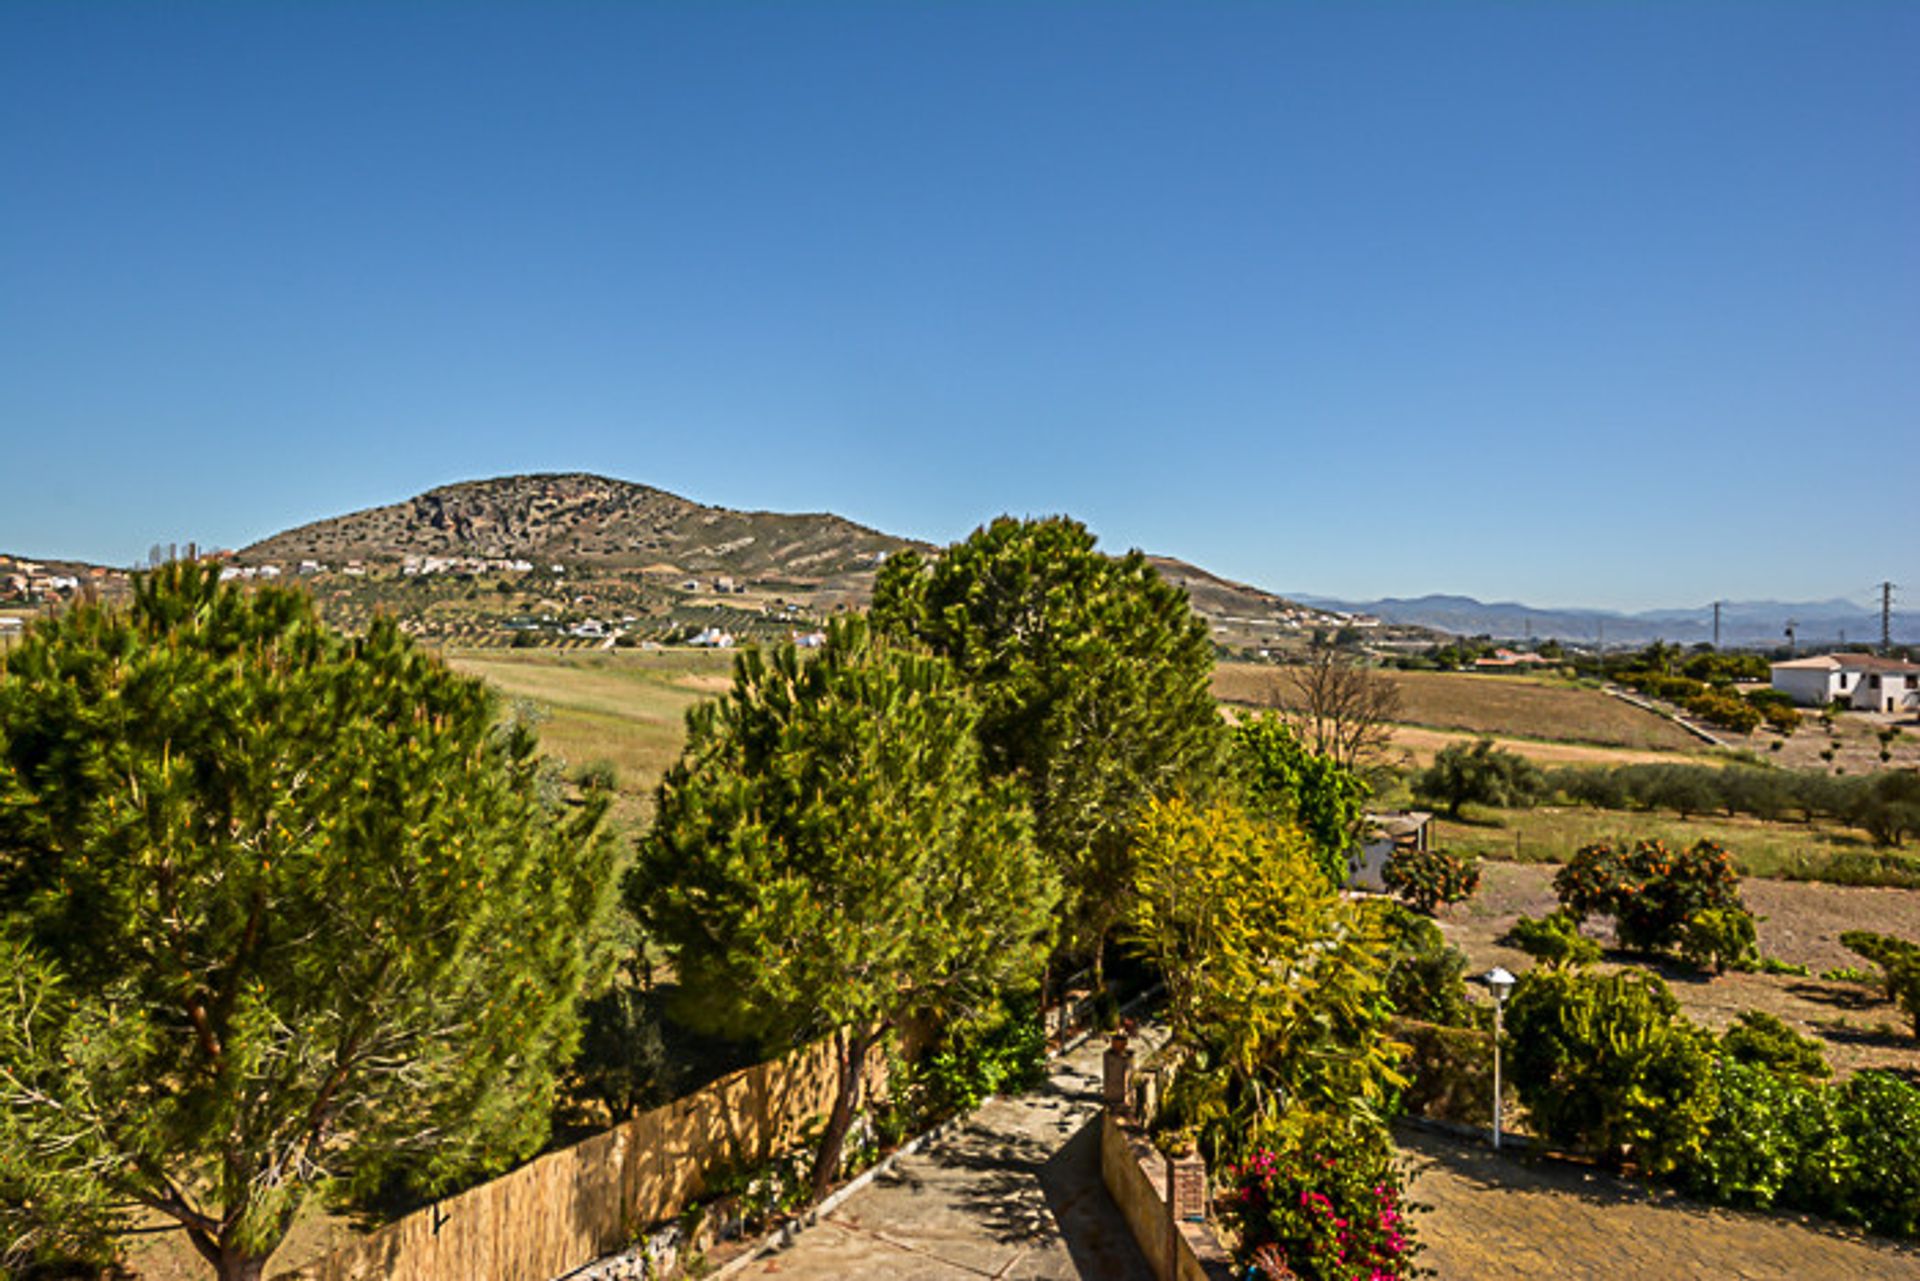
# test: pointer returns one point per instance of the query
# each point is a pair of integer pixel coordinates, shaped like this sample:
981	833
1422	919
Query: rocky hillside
603	528
590	521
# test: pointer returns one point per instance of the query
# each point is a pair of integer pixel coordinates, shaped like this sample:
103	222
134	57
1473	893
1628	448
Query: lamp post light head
1499	981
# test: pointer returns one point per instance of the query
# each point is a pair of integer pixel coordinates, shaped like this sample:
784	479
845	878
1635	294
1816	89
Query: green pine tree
1094	675
827	858
283	913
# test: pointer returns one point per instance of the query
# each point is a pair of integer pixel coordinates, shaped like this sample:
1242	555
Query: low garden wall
581	1203
1137	1178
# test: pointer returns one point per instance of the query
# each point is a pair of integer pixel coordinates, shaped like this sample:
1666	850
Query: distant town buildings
413	566
30	582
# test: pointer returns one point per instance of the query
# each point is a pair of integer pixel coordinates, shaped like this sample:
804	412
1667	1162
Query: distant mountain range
1742	623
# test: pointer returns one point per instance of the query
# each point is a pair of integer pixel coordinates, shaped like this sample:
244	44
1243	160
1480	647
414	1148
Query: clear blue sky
1576	303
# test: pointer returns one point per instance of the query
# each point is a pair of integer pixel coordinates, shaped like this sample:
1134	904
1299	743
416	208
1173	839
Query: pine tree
283	912
1094	677
827	858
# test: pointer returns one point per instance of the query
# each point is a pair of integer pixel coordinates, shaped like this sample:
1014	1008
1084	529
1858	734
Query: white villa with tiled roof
1865	682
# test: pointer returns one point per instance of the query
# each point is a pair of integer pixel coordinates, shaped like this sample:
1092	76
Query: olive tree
1479	773
281	912
828	856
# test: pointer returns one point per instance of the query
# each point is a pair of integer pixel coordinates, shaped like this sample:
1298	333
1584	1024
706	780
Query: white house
1864	682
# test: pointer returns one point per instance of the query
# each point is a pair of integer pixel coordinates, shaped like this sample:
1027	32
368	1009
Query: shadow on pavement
1096	1235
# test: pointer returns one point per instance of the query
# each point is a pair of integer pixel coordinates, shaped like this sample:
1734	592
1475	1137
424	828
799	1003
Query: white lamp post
1501	983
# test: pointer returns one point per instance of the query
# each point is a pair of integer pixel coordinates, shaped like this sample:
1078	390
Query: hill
1244	617
587	521
604	529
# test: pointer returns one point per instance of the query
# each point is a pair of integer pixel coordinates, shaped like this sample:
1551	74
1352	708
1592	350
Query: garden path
1015	1193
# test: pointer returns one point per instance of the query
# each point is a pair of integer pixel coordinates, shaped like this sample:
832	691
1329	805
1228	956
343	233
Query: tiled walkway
1501	1219
1015	1194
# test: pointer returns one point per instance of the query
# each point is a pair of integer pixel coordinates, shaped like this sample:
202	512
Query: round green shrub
1606	1064
1554	938
1759	1039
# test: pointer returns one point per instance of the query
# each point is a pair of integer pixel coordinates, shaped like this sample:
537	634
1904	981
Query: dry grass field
1517	707
624	707
1419	746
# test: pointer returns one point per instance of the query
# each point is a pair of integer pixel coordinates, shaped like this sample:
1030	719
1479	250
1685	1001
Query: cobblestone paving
1016	1194
1496	1218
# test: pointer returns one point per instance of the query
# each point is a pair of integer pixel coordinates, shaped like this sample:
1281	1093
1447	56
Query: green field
1792	851
624	707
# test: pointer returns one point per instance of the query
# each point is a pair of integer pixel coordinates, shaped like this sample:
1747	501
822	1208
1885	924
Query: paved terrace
1497	1218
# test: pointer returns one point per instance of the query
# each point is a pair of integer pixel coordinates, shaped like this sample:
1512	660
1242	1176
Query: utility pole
1886	617
1716	623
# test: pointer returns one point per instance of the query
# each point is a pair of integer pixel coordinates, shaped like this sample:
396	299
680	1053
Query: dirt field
1801	923
1518	707
1494	1217
1853	740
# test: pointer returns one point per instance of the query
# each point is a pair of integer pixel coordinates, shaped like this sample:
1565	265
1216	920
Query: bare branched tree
1340	707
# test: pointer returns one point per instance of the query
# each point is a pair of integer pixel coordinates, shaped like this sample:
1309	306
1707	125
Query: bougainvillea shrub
1330	1205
